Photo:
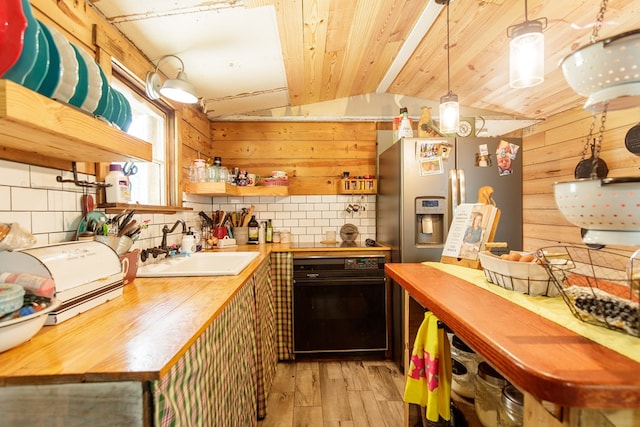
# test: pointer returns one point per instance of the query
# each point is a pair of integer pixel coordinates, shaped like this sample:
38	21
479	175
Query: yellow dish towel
429	372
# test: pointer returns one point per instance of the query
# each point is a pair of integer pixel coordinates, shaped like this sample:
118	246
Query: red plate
13	24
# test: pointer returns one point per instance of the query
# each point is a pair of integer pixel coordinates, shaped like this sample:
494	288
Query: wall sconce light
178	89
449	106
526	52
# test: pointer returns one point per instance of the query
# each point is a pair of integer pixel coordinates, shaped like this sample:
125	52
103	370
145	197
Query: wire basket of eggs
518	271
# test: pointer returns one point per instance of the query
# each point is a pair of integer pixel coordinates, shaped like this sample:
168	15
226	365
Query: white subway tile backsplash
32	197
46	222
28	199
5	198
45	178
14	174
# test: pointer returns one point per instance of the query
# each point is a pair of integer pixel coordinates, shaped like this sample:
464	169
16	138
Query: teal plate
103	104
39	71
82	87
18	72
119	118
128	116
112	114
52	77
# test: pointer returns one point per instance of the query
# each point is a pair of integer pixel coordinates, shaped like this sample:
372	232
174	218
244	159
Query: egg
527	258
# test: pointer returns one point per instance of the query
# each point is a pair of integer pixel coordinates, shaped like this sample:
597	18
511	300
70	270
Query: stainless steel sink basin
199	264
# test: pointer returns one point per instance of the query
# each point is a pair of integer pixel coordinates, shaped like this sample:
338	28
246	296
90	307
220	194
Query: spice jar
464	365
511	411
488	386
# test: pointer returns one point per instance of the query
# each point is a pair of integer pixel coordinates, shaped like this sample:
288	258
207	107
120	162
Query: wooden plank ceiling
334	49
338	48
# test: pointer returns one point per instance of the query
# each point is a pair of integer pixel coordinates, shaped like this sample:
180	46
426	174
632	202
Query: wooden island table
567	379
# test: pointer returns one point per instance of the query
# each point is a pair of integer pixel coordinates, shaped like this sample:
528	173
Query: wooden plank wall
314	154
551	151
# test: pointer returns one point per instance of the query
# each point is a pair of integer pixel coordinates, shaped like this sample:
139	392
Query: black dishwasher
339	304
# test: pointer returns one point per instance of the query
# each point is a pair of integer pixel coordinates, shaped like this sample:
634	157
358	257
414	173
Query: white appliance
86	274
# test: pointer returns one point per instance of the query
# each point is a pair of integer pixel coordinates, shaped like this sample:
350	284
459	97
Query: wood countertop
137	336
541	357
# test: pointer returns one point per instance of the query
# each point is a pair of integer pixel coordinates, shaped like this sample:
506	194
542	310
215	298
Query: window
151	123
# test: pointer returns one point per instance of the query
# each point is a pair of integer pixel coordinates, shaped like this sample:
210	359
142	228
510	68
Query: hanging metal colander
607	70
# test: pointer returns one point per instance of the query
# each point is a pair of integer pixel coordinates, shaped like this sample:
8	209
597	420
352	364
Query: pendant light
178	89
526	52
449	106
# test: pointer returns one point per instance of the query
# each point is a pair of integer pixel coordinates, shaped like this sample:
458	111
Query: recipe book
473	225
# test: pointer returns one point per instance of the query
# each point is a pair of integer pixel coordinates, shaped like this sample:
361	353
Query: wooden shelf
34	123
119	207
224	189
358	186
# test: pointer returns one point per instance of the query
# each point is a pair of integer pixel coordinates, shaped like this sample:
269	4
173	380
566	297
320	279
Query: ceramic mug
253	179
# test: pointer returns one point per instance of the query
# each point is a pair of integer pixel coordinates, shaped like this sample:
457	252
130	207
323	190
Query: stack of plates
41	58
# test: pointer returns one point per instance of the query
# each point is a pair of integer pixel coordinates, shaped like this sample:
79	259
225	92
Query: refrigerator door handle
453	177
462	186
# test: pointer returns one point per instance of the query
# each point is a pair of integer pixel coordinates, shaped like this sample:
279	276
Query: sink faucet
166	230
163	249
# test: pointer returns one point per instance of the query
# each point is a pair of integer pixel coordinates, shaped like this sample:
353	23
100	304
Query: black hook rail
79	183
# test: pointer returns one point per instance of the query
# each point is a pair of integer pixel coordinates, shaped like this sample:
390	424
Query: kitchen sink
199	264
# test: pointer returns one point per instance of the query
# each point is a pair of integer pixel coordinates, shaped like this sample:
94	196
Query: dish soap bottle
118	191
405	130
269	236
254	229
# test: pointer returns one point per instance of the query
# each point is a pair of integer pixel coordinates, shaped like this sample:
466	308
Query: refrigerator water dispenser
431	220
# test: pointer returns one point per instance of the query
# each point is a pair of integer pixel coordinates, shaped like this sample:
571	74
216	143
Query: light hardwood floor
353	393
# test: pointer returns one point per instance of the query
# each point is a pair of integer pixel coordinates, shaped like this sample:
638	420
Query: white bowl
95	83
600	204
17	331
68	67
524	277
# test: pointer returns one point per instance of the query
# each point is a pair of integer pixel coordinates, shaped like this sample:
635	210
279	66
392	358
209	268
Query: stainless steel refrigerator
420	181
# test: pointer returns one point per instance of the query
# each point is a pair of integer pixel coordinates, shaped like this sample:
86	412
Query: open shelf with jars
358	186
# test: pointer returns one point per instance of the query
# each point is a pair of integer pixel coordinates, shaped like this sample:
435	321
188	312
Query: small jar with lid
464	365
488	386
511	410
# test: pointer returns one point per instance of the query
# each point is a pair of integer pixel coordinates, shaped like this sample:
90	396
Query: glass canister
511	410
488	386
464	365
198	171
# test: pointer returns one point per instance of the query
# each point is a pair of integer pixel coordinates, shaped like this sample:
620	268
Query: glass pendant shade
449	114
526	55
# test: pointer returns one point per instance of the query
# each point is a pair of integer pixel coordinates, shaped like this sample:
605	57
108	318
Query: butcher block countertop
540	356
135	337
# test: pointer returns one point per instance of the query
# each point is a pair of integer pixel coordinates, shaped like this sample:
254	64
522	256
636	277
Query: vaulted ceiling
251	56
